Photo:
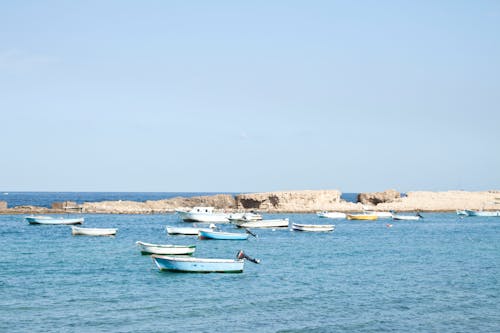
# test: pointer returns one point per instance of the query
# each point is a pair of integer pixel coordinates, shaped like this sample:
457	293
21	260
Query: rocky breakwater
219	201
432	201
295	201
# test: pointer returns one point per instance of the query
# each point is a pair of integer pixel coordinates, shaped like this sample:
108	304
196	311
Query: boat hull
198	265
332	215
276	223
362	217
204	234
185	230
313	227
75	231
53	221
148	248
406	218
482	213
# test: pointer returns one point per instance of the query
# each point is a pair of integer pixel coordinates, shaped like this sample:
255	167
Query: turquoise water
437	275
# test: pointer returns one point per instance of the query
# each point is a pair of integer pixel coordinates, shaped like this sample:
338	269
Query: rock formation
375	198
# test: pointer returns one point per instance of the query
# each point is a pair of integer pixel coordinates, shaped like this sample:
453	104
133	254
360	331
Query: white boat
275	223
331	215
244	217
202	214
482	213
313	227
77	231
148	248
407	217
382	215
52	220
187	230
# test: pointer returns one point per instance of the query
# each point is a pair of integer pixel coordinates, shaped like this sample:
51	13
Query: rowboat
364	217
204	234
76	231
331	215
202	214
482	213
201	265
381	215
461	212
53	220
407	217
187	230
148	248
244	217
275	223
313	227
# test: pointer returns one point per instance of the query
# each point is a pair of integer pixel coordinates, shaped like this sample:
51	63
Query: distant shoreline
281	202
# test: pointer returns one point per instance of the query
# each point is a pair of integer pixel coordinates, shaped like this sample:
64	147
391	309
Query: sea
439	274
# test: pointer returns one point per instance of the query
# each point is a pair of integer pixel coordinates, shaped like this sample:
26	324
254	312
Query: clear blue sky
248	96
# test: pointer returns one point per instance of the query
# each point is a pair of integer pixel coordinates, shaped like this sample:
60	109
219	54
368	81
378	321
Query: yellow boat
364	217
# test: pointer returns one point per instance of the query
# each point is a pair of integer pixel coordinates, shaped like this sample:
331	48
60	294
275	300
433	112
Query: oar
251	233
243	255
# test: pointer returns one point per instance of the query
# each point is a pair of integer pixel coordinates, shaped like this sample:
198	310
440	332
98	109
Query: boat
202	214
53	220
148	248
407	217
244	217
482	213
313	227
204	234
331	215
201	265
274	223
381	215
462	212
363	217
187	230
77	231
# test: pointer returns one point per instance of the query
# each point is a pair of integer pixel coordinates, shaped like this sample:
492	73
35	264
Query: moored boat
53	221
202	265
362	217
77	231
407	217
461	212
331	215
202	214
220	235
186	230
482	213
381	215
313	227
244	217
149	248
273	223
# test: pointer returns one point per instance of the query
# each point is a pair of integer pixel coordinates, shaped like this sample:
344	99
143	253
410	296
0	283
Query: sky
249	96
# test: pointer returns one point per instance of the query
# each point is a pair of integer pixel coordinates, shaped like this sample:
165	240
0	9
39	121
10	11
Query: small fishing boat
53	221
407	217
461	212
313	227
274	223
205	234
244	217
381	215
187	230
331	215
362	217
77	231
482	213
202	214
148	248
201	265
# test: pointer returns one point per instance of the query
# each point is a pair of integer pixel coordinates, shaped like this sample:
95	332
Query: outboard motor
243	255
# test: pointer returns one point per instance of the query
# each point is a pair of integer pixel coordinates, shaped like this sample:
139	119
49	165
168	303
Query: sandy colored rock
375	198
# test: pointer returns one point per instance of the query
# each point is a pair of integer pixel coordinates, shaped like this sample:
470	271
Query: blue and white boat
202	265
149	248
53	221
205	234
482	213
198	265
